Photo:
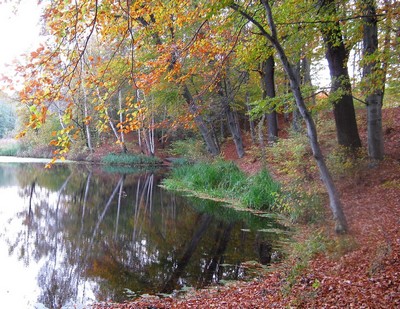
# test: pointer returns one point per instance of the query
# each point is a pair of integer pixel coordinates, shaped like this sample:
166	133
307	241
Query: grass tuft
224	180
130	159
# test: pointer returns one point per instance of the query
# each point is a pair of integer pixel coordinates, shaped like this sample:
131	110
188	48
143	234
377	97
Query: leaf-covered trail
369	275
366	276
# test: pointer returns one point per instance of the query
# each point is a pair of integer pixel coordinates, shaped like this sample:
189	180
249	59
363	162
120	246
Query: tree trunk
121	120
335	204
251	122
337	56
296	116
268	87
207	134
114	129
112	126
86	121
374	96
234	128
261	139
225	91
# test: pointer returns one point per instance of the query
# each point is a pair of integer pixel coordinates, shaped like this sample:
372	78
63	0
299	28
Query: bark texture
226	93
268	87
206	133
337	56
374	95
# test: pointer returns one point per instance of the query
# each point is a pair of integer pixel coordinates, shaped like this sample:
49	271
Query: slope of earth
366	275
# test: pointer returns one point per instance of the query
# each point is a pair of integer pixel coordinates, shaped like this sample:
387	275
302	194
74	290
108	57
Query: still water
76	234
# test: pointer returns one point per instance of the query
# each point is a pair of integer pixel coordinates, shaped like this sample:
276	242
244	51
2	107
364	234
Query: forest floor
362	271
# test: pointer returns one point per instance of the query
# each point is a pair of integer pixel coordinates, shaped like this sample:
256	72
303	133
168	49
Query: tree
272	37
373	80
227	93
268	87
341	94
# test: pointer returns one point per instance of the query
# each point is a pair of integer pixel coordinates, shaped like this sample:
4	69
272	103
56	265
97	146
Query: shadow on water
95	236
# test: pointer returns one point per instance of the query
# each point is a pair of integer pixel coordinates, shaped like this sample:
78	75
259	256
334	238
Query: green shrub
299	205
130	159
191	149
297	162
344	161
301	200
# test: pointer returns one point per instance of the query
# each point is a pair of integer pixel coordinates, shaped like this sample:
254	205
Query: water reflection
85	235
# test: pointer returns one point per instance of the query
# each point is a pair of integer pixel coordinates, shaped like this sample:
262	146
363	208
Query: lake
77	234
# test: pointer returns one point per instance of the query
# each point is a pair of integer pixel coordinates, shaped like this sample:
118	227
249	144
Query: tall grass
130	159
224	180
260	191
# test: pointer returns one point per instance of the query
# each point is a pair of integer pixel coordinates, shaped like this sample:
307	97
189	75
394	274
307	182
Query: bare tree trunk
121	120
234	128
146	134
268	87
251	122
86	115
87	127
261	139
163	139
374	96
123	146
225	92
337	56
205	132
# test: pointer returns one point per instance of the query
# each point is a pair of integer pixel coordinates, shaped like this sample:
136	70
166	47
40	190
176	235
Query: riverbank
357	270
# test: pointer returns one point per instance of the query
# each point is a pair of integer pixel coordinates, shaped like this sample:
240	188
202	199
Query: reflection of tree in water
57	285
108	233
42	239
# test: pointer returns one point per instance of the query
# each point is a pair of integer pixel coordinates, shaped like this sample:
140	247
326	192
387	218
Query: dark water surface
75	234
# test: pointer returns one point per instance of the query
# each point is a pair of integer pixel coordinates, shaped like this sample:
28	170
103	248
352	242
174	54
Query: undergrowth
301	197
190	149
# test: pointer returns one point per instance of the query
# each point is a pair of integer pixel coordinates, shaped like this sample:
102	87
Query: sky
19	29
